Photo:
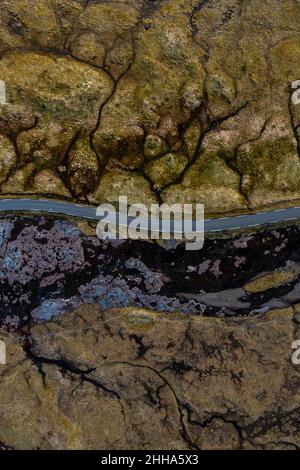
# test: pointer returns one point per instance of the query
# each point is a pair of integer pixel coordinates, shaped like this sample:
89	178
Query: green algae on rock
166	169
116	182
144	80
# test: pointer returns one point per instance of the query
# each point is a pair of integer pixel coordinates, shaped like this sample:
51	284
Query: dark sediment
49	266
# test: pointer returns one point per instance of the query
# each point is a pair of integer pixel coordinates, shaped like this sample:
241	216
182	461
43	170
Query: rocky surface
136	379
129	345
207	365
50	266
153	99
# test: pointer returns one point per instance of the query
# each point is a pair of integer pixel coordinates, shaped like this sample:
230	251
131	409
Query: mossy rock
83	167
271	171
145	79
270	281
165	170
60	88
211	182
116	182
154	146
8	157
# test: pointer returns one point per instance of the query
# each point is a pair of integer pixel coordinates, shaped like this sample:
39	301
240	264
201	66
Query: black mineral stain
48	265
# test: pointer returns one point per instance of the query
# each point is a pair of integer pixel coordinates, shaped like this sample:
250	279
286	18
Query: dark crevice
196	9
64	175
182	428
234	166
68	366
227	420
115	83
14	140
207	126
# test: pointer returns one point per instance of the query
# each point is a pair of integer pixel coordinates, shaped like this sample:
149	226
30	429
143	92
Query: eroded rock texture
162	101
180	101
195	354
50	266
136	379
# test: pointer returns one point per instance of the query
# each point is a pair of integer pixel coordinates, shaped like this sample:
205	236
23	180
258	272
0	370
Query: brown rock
138	379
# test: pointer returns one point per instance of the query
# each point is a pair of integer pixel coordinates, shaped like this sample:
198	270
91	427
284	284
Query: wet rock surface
136	379
49	266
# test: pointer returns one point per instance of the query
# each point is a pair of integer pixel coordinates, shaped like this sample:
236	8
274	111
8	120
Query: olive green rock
8	157
211	82
165	169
